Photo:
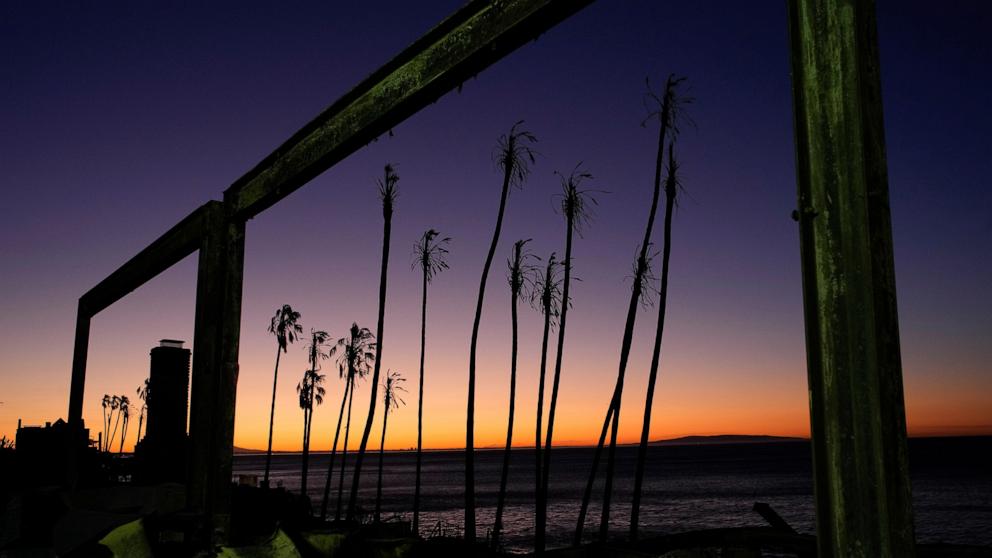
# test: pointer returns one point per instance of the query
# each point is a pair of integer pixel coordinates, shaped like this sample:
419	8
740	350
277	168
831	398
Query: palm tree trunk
334	449
141	419
114	433
587	494
470	414
272	418
306	451
382	444
344	452
356	480
542	510
501	500
613	412
123	436
420	409
540	410
642	449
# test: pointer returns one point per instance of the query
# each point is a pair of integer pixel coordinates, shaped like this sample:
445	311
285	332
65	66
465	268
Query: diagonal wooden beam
178	242
458	48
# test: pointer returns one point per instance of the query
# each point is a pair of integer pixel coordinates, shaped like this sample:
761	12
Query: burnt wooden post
215	369
857	413
79	351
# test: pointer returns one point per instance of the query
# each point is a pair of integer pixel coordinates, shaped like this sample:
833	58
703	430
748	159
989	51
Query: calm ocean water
686	488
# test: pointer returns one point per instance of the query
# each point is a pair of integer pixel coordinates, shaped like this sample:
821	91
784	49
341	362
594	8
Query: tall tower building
163	451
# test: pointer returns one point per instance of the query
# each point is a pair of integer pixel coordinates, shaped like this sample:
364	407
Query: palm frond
430	254
522	274
387	189
514	155
575	202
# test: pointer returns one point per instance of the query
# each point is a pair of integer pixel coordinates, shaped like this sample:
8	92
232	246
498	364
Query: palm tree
105	403
387	194
142	392
311	391
521	279
546	297
115	405
513	156
125	411
390	400
354	362
672	186
576	206
666	112
286	328
429	254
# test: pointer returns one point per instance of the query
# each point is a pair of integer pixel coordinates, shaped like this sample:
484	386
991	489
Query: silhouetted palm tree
311	391
666	111
125	412
115	405
429	255
671	191
354	362
546	297
105	403
391	399
286	328
513	156
576	206
387	194
521	280
142	392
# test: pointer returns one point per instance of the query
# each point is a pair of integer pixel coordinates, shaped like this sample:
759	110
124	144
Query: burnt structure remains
852	340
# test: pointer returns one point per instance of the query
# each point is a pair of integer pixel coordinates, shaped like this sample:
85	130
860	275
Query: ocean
686	488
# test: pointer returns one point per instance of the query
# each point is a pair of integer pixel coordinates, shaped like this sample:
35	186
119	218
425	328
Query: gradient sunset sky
118	120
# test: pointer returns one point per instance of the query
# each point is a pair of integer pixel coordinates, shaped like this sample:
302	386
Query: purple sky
118	120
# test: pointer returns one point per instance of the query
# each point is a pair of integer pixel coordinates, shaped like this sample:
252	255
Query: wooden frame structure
861	480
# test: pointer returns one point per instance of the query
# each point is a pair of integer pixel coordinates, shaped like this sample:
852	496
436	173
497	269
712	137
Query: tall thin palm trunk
470	412
671	187
378	487
540	410
113	434
542	508
305	468
344	452
334	449
641	271
141	420
518	269
513	157
272	419
120	450
420	408
387	192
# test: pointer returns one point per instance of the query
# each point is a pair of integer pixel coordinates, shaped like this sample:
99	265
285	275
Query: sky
119	119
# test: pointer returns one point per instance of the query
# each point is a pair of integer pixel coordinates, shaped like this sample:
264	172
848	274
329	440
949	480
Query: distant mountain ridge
725	439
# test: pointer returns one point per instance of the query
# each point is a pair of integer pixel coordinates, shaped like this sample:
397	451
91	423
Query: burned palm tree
285	326
576	206
311	391
513	157
125	415
391	400
355	355
521	280
671	191
546	298
429	255
666	110
105	404
387	194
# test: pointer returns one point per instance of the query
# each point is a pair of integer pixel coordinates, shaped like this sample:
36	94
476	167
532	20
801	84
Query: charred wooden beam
455	50
857	412
178	242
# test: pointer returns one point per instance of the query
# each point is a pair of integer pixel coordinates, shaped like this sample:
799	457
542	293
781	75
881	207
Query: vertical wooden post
80	349
857	415
215	370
